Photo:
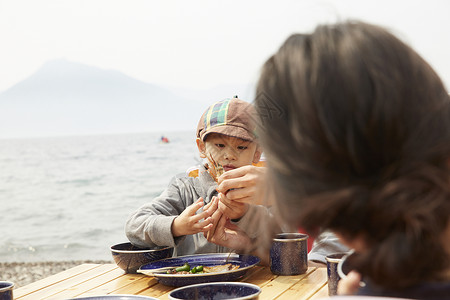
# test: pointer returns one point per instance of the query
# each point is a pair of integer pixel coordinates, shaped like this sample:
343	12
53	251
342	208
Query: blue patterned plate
245	262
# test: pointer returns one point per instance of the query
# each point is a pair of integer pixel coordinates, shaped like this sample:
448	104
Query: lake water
68	198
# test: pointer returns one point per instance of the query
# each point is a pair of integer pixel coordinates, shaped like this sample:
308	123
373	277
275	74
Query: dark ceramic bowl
216	290
130	258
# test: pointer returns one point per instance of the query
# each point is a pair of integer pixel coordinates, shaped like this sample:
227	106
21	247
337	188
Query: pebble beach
25	273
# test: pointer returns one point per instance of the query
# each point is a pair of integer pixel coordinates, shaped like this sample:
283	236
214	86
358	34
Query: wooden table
101	279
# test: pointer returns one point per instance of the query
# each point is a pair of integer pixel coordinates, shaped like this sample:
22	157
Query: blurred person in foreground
355	126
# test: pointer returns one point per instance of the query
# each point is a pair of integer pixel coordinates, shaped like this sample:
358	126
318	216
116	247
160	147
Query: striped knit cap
231	117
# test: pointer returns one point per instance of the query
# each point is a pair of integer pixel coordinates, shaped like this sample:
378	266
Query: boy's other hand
188	222
244	184
232	209
226	234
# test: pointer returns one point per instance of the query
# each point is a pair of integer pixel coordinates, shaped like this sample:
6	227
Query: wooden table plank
321	294
261	277
164	297
157	290
280	284
307	287
250	273
138	286
87	285
94	280
69	282
52	280
120	285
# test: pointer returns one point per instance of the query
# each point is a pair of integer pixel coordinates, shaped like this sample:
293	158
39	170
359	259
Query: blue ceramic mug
332	272
6	290
289	254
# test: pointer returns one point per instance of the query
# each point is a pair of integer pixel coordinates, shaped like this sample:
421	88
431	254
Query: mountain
68	98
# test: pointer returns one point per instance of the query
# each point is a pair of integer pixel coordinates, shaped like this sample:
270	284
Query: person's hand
188	222
232	209
244	184
350	284
226	234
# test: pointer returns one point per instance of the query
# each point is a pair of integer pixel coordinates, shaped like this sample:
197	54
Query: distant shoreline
23	273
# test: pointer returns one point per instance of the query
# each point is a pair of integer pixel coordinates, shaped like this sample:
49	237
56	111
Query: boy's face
229	151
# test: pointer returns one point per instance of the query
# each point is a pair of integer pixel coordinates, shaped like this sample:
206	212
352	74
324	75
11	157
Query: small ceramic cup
289	254
6	290
332	272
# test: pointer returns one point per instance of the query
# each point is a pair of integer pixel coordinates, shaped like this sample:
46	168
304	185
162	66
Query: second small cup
332	272
6	290
289	254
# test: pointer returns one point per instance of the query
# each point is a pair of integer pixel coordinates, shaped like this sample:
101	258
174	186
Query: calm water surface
68	198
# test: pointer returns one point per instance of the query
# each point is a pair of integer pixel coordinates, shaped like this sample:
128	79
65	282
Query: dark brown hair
356	130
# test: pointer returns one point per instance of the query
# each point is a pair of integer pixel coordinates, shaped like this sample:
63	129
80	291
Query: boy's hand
232	209
244	184
226	234
188	222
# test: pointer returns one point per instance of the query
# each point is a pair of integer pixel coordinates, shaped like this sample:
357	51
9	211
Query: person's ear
257	155
201	147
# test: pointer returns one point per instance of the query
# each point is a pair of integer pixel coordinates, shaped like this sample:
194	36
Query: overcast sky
192	43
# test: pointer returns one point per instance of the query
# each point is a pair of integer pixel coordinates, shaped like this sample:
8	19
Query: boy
181	215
